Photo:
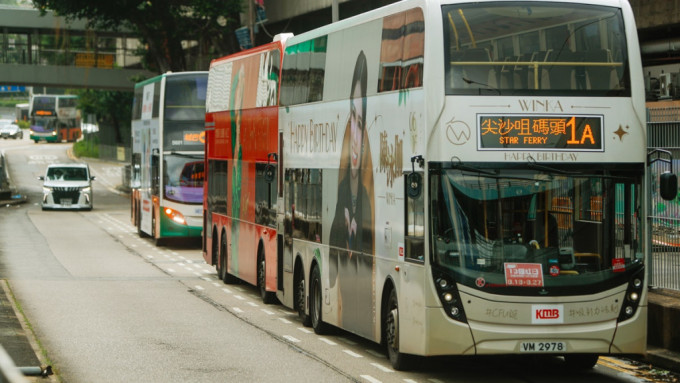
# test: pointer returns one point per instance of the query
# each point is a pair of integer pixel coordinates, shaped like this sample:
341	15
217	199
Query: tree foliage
161	24
112	108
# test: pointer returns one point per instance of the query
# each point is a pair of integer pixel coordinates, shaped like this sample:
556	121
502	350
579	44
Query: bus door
412	276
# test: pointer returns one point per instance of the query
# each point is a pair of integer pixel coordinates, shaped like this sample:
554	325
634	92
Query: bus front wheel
315	303
267	296
226	277
399	360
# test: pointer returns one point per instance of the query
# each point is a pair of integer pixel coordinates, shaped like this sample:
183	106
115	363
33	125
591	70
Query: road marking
216	284
284	320
226	290
292	338
253	304
349	342
410	381
352	353
328	341
371	379
306	331
381	367
238	310
239	297
171	270
199	288
267	312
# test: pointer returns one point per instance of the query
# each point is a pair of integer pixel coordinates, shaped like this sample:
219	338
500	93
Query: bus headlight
633	295
449	296
175	216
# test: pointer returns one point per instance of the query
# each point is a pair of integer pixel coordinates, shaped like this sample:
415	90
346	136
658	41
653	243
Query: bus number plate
540	347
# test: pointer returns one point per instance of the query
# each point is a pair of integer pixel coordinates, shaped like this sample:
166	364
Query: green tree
161	24
113	110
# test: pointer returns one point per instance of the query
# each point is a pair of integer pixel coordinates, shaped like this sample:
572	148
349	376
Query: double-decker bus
167	161
54	118
21	112
464	178
239	235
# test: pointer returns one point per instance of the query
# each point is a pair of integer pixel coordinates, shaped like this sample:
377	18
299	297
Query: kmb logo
545	314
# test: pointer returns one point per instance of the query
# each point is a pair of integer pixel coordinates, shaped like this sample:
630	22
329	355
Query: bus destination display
554	132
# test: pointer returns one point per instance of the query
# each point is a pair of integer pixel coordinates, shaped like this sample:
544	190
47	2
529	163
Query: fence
663	132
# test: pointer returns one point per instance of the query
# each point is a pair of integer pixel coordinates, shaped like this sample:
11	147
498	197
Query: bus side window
415	226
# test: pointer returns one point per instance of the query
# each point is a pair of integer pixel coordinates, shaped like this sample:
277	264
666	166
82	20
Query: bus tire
300	299
226	277
316	302
268	297
581	361
399	360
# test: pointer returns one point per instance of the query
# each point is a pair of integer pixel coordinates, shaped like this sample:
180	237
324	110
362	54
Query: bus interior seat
456	77
505	73
600	77
519	72
562	77
483	74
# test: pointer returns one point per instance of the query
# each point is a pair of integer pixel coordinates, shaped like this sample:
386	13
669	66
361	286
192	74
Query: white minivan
67	186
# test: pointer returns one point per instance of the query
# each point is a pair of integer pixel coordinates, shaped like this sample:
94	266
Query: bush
87	147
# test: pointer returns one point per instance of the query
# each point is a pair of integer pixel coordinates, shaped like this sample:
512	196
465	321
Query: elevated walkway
48	51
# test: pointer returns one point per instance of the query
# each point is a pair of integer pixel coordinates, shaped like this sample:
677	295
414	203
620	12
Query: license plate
66	202
543	347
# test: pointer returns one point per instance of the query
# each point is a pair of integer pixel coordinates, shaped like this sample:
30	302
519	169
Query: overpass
49	51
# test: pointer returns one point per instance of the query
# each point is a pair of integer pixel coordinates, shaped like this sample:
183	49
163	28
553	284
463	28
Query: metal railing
664	216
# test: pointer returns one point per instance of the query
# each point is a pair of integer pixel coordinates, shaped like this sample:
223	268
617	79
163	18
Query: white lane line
268	312
284	320
410	381
199	287
371	379
292	338
328	341
239	297
305	330
171	270
238	310
253	304
381	367
226	290
352	353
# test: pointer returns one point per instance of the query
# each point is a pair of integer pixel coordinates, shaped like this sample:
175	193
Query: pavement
663	350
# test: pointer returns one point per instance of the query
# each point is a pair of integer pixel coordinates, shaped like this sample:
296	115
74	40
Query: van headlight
87	190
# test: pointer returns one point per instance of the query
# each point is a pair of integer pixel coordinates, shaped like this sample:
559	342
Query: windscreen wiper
193	156
456	163
534	165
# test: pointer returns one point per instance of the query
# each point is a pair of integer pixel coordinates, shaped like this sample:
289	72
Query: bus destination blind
554	132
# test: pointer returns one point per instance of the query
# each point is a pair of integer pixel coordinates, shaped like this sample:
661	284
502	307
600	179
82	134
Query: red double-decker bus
239	218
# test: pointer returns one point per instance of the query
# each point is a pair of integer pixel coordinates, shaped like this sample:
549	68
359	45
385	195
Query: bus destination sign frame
555	132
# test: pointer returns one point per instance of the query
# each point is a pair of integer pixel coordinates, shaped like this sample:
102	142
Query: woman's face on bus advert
357	128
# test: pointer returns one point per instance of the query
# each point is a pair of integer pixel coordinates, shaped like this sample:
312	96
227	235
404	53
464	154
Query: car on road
10	130
67	186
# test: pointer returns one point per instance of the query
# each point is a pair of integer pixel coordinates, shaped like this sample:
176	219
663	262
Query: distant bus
452	178
168	115
54	118
21	112
242	141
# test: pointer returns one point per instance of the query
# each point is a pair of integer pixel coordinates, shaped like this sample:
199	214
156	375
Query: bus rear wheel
399	360
300	301
315	303
226	277
268	297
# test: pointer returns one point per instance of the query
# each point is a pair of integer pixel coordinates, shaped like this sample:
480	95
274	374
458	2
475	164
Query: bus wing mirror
668	186
270	169
414	185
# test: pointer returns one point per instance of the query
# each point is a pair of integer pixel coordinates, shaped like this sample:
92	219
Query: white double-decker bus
468	178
